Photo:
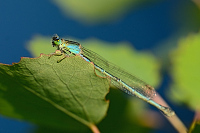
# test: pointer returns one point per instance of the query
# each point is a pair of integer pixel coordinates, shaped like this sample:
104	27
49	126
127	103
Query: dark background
145	26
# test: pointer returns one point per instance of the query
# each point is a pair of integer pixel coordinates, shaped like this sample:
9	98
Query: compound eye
55	37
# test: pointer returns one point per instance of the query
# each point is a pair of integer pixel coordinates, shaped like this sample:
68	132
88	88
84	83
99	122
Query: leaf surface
185	72
59	95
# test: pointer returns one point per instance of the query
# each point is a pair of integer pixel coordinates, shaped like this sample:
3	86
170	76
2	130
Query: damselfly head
56	40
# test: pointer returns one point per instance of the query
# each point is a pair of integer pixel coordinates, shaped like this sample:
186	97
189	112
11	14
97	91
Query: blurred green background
158	41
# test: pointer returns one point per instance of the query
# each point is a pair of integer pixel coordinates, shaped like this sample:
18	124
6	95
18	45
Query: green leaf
195	126
185	72
140	63
40	44
122	54
196	129
96	11
60	95
118	119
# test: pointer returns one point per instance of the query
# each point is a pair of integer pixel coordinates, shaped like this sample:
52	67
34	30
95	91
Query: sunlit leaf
139	63
93	11
52	94
185	71
142	64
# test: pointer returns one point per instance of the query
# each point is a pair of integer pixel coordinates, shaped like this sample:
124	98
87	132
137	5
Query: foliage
185	71
135	62
53	94
92	12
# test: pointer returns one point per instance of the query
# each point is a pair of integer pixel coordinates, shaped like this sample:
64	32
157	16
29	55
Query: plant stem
174	120
94	128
